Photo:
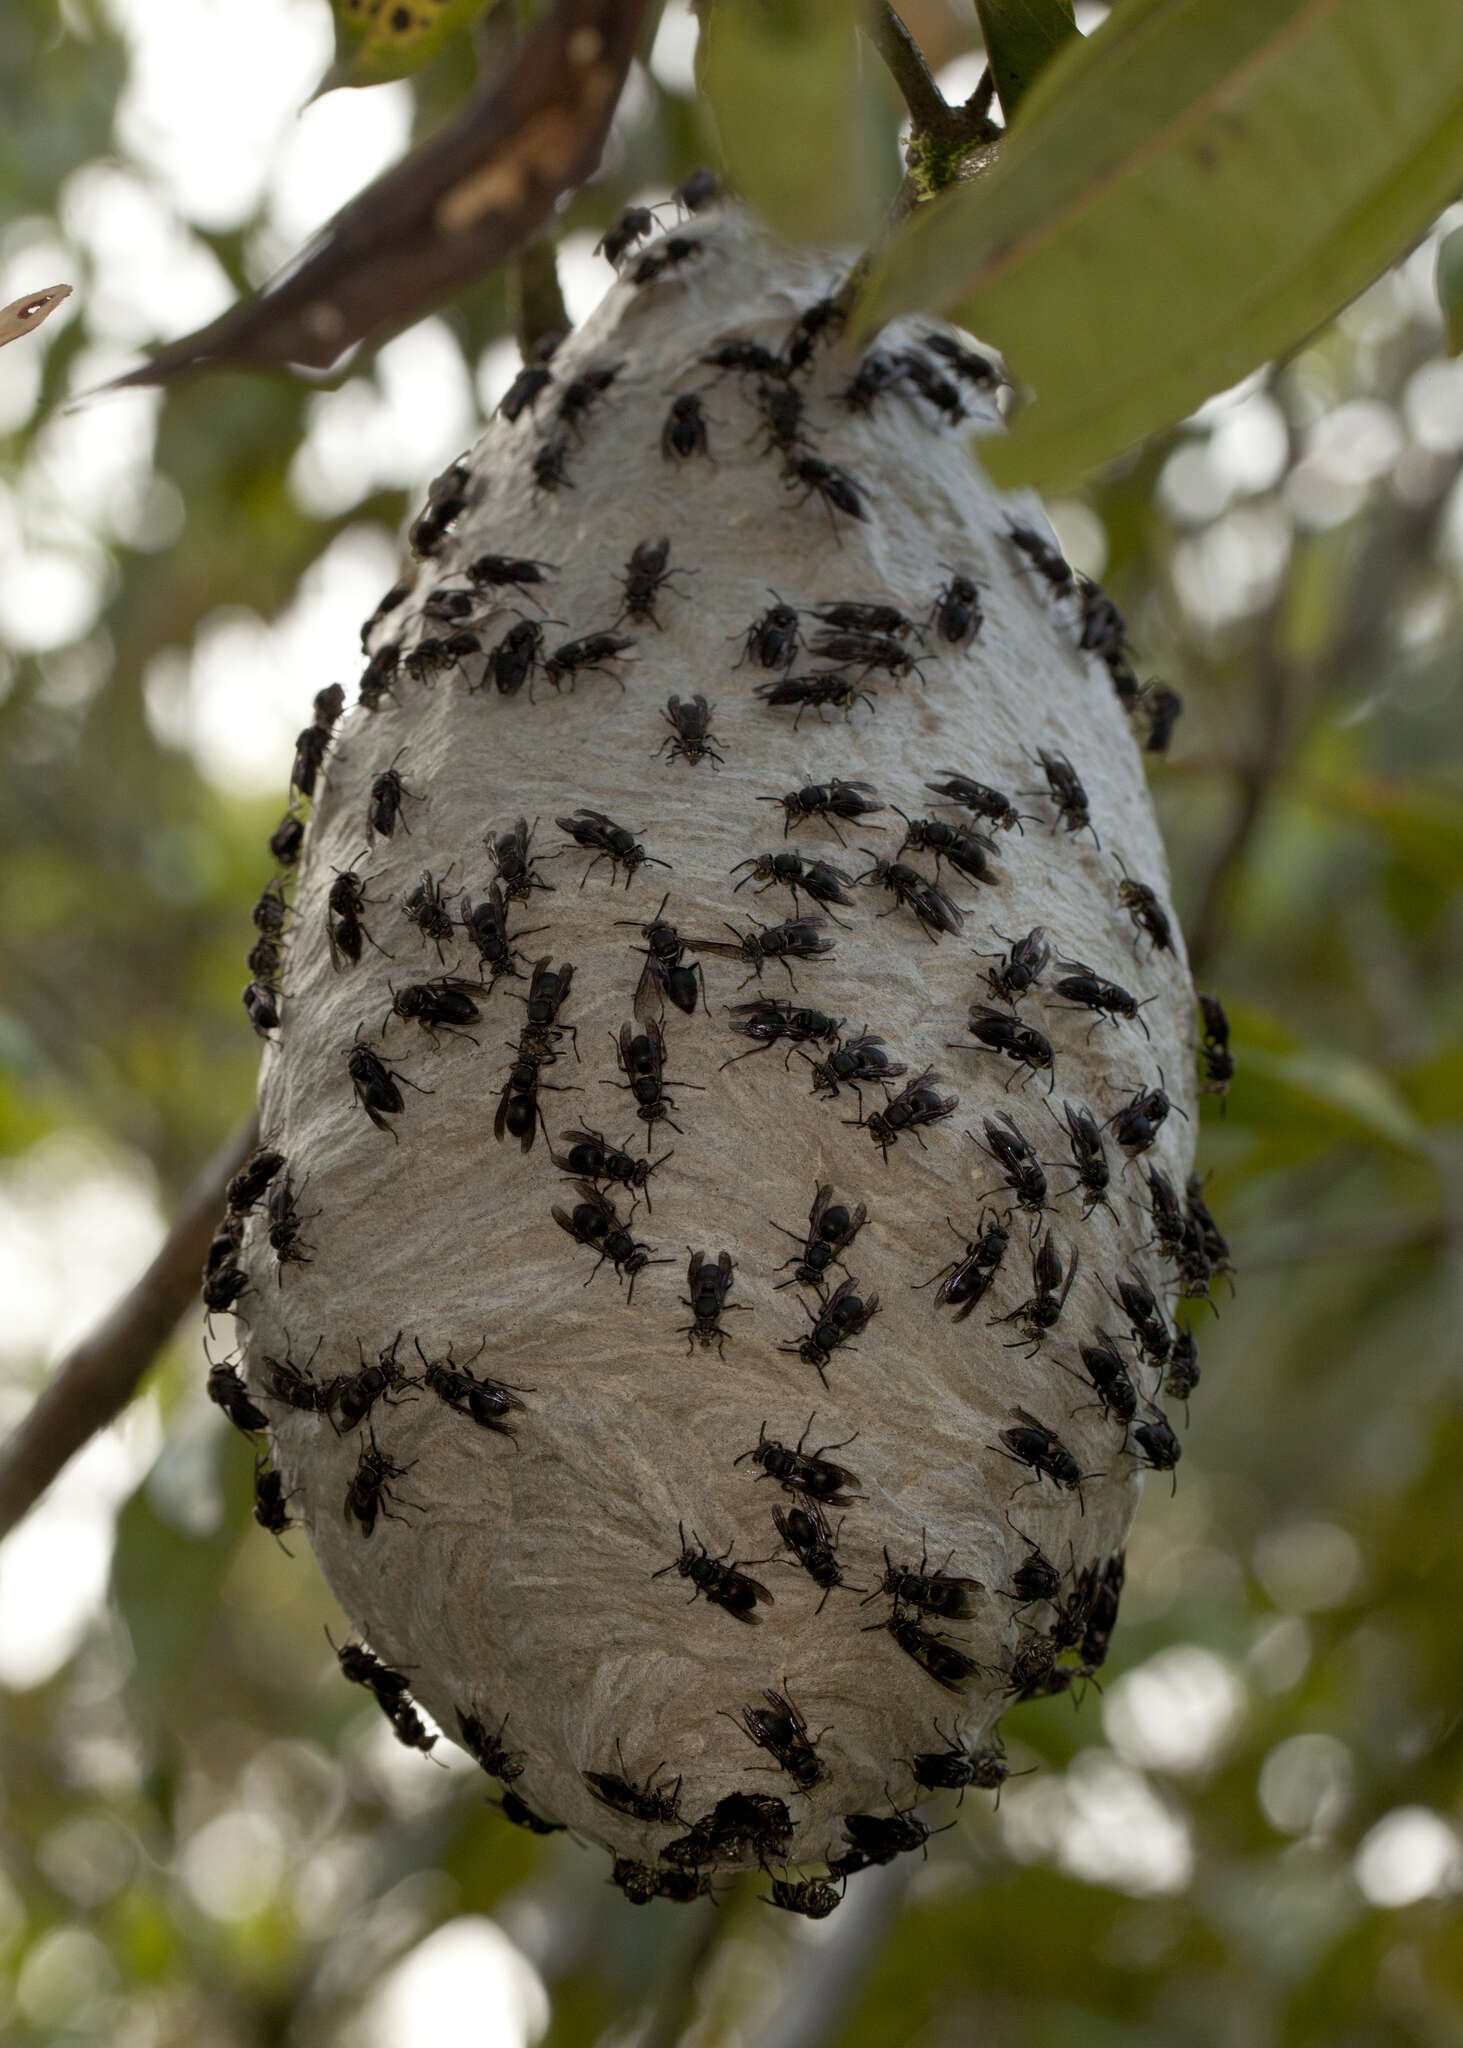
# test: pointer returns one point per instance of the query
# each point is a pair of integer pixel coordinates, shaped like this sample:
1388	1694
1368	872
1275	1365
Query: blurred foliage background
1255	1834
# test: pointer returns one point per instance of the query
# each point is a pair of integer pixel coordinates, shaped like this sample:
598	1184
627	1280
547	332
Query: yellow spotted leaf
377	40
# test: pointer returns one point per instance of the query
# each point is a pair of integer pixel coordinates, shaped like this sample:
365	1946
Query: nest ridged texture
515	1559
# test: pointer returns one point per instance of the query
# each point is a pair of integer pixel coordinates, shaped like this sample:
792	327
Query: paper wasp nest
709	1284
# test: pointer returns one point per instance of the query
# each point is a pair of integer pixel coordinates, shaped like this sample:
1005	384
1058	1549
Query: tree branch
97	1379
943	138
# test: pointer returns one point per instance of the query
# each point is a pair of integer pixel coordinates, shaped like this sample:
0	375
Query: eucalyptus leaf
378	40
1021	37
803	117
1185	194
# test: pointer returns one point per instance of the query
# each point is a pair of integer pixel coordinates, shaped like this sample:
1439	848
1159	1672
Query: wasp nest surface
728	1103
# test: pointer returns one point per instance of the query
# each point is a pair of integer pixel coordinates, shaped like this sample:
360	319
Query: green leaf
1450	288
377	40
800	115
1346	1096
1423	826
1183	195
1021	36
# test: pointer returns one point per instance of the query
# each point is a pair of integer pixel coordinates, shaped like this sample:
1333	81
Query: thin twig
829	1977
538	302
99	1376
930	112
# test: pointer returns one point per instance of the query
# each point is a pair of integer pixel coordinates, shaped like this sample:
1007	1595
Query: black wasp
290	1383
1035	1578
268	914
1147	913
1214	1052
772	640
487	1750
797	939
641	1056
666	972
1151	1333
956	610
746	358
819	879
1020	967
591	1157
590	654
1182	1375
722	1583
838	490
271	1510
913	891
967	852
832	800
1160	1447
226	1387
768	1023
514	862
548	991
979	798
954	1769
511	663
782	407
580	395
1216	1245
1028	1048
1137	1124
344	918
853	1061
669	255
261	1001
936	1657
877	373
641	1802
938	1593
1020	1169
1102	1613
813	1897
379	674
853	615
1064	786
823	320
932	384
1089	1156
492	572
867	651
1031	1443
383	810
426	906
285	1225
1084	988
804	1472
1162	707
488	1402
486	924
1043	1308
684	432
916	1105
251	1180
369	1491
356	1394
375	1085
526	387
690	738
967	1279
286	839
519	1111
835	1321
634	224
709	1286
804	1529
968	365
831	692
879	1838
601	836
550	464
446	1003
1047	561
594	1222
780	1729
1109	1376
